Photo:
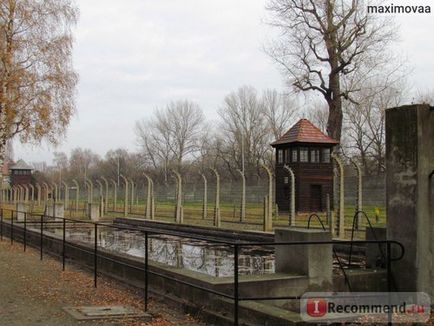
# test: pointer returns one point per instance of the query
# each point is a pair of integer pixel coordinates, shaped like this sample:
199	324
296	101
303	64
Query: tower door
315	198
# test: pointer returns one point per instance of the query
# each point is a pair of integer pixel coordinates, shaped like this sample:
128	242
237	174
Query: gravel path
33	292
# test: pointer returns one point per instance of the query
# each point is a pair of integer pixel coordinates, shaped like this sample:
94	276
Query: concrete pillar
53	209
93	212
314	261
341	216
409	193
21	211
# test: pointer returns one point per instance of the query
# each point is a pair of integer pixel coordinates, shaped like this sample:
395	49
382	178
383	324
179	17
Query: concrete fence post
243	196
132	195
359	203
205	197
268	218
32	198
115	194
106	196
38	187
126	195
66	195
47	190
77	193
101	198
341	196
56	192
217	217
178	209
292	199
89	185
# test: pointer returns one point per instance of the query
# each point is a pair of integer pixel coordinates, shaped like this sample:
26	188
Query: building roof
304	131
20	165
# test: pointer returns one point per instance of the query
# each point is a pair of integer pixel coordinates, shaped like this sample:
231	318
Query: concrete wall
410	161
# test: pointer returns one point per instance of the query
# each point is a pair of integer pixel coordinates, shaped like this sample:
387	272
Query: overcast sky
135	55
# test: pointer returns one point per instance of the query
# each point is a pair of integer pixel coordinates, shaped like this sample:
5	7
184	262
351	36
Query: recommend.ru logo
365	307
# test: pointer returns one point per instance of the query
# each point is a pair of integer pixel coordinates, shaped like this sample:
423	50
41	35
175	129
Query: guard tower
307	151
20	173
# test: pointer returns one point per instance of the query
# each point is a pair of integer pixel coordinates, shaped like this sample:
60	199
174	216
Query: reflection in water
201	256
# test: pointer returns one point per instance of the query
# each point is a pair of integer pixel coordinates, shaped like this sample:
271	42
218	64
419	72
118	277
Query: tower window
325	155
294	157
314	155
304	154
280	156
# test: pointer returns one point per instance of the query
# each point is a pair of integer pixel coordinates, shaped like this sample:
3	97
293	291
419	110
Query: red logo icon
316	307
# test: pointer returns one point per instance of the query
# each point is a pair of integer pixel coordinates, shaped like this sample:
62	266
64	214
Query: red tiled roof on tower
304	131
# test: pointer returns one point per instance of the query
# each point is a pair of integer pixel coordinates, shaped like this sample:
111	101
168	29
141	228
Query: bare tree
243	129
172	135
36	74
365	123
324	42
317	113
279	111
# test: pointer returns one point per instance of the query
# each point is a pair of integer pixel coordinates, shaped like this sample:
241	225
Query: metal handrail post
63	245
12	227
1	225
236	284
25	231
146	270
95	257
42	234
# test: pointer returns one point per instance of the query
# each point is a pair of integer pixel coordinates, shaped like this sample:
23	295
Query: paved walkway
33	292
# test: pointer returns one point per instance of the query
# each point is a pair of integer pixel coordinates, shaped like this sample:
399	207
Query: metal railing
236	246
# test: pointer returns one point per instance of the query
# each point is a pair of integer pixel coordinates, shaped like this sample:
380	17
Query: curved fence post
66	195
101	197
205	197
126	195
341	196
268	216
132	195
38	187
217	217
149	197
89	185
115	194
359	203
26	193
56	192
77	193
47	190
32	198
179	218
106	194
243	196
292	199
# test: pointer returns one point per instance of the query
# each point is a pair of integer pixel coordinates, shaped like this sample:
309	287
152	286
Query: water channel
180	252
